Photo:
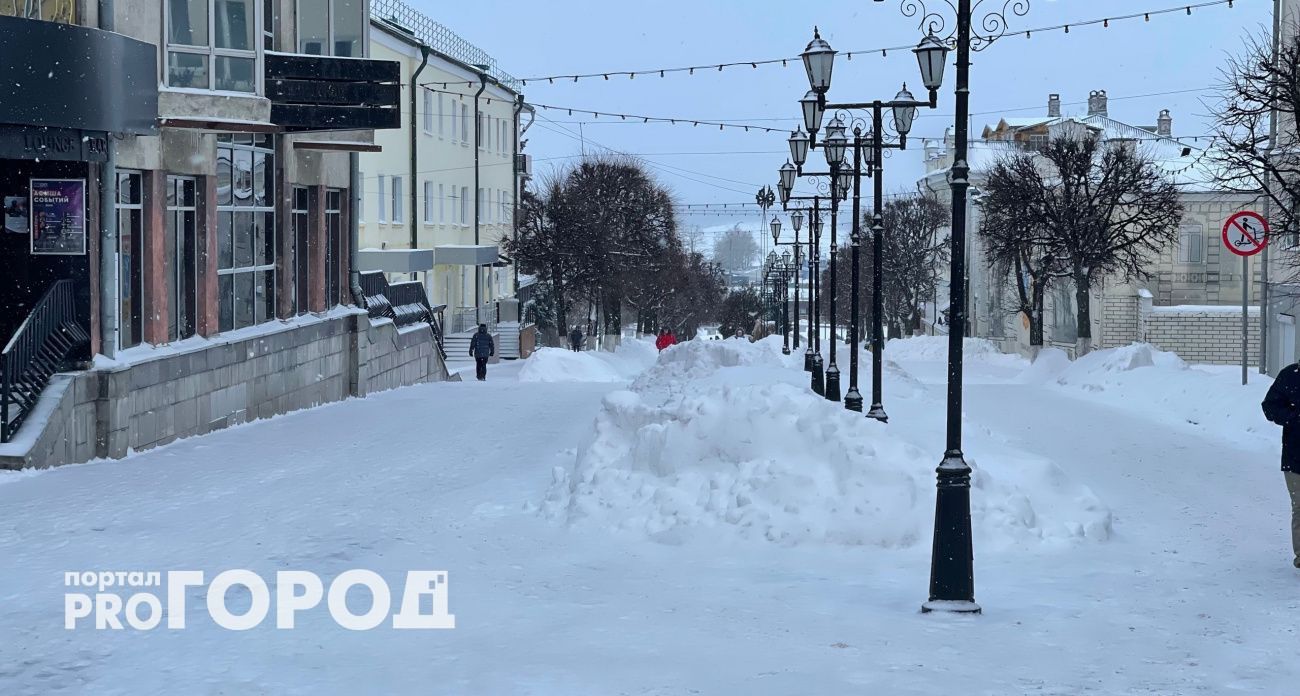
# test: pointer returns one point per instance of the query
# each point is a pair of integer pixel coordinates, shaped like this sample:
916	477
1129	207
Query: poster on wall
58	216
16	214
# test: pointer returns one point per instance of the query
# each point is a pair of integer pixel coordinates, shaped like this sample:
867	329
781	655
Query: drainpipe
478	278
354	230
514	202
415	150
108	302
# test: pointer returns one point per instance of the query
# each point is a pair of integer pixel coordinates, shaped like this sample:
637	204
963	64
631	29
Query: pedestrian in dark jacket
1282	406
575	339
481	348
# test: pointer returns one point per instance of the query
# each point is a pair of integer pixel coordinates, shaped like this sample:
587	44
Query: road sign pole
1245	316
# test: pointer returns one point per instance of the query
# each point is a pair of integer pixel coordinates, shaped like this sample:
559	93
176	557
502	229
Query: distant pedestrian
740	332
481	347
575	339
665	339
1282	406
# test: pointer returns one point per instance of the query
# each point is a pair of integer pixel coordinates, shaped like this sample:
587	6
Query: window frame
1186	231
211	52
265	212
428	202
398	211
131	334
382	200
427	103
177	282
363	42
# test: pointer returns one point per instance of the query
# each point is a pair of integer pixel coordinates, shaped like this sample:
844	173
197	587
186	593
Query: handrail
24	371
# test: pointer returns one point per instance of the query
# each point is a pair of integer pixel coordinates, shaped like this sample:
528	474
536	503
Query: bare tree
1101	208
914	246
1251	153
736	250
1016	241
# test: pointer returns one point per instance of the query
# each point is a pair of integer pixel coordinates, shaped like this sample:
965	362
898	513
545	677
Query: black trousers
480	368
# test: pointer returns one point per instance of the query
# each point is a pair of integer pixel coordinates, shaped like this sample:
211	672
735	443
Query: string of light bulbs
1104	22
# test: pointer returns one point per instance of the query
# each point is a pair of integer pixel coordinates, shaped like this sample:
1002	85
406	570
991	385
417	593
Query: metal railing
440	38
405	303
37	350
468	318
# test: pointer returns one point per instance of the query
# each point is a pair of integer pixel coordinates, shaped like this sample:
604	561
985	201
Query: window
478	131
1065	317
464	124
300	218
505	209
455	120
428	202
442	211
211	45
455	217
130	236
478	206
182	219
245	230
501	138
339	30
382	201
333	247
63	12
428	111
464	205
397	199
442	116
491	209
1191	244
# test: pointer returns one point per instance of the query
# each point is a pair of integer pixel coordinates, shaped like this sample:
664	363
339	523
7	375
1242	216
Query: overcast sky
1138	63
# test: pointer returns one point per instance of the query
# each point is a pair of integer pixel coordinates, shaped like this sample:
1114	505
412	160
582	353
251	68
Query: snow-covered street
1130	535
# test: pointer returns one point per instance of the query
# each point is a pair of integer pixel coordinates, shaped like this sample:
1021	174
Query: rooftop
440	38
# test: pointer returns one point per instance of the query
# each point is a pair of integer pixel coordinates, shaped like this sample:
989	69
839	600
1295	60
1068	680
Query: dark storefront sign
58	216
321	93
62	144
66	76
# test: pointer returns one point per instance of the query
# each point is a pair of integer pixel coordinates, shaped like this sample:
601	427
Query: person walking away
481	348
575	339
1282	406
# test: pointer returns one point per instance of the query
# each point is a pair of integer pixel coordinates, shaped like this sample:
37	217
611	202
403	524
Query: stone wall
182	392
1210	337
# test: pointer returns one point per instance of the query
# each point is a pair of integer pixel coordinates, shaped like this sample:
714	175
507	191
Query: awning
217	124
395	260
336	145
466	254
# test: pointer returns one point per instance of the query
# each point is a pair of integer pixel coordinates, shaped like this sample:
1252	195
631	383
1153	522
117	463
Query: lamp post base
853	400
877	412
785	350
818	377
808	360
948	606
833	383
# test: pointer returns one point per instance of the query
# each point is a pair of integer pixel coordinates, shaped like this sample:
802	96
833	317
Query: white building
439	194
1184	306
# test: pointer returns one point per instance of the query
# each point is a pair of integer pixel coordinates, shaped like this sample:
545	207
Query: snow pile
935	349
560	365
732	453
1143	378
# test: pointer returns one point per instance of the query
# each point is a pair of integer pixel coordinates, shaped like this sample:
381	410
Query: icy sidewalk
1191	595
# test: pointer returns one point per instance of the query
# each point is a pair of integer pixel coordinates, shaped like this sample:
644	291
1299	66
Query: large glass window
64	11
245	230
211	44
301	218
338	31
130	246
334	246
182	217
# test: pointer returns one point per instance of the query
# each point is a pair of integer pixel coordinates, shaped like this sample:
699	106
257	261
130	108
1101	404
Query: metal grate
440	38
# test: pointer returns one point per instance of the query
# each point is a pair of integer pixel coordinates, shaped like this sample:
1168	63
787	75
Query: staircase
458	350
508	340
45	343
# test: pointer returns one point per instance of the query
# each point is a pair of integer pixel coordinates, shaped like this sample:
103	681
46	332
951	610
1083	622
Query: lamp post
787	272
819	60
952	565
764	198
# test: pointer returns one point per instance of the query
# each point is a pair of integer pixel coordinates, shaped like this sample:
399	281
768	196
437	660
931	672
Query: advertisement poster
16	215
58	216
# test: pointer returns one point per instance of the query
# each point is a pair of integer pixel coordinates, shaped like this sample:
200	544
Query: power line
605	75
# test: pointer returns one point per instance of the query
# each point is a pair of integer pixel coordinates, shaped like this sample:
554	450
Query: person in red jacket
666	338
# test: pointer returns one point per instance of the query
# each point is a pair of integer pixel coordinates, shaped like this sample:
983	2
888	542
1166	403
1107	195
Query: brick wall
1203	337
1119	321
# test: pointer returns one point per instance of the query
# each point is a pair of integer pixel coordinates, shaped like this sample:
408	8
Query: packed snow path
1193	594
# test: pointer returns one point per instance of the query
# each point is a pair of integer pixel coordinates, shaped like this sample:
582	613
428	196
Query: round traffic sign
1245	233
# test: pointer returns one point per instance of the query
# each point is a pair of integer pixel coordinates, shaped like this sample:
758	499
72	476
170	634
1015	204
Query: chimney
1165	124
1053	106
1097	103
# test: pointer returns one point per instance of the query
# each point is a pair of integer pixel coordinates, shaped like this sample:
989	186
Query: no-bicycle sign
1245	233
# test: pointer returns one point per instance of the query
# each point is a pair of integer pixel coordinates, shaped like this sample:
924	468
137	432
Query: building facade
191	264
448	179
1190	282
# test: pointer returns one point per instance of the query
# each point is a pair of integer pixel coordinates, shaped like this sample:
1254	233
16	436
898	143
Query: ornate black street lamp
952	565
765	198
